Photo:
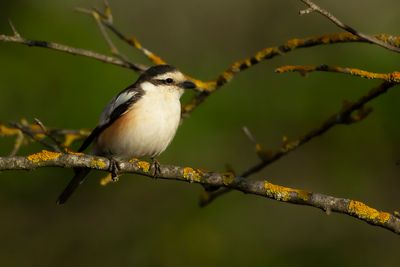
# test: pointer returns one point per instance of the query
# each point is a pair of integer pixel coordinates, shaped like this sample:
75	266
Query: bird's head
166	77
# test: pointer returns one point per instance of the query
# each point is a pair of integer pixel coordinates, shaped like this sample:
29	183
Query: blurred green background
144	222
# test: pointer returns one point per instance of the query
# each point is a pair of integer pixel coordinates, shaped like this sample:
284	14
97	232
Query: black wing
118	106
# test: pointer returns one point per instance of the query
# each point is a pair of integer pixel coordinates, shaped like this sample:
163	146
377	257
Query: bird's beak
188	85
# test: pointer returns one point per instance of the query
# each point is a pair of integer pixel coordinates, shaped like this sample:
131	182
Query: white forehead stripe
176	75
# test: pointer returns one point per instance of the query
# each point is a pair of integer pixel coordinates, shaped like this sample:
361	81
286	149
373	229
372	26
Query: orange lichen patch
135	43
263	53
394	76
284	69
293	43
44	155
335	37
8	131
301	69
290	145
304	195
133	160
227	76
367	74
201	85
70	138
394	40
391	77
39	136
98	164
284	193
153	57
69	151
106	180
248	62
228	178
143	165
192	175
364	212
326	39
236	66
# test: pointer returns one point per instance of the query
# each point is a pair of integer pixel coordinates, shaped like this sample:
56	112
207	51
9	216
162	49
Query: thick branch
263	188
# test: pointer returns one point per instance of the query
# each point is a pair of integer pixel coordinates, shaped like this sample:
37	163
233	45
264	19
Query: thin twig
72	50
68	135
325	13
19	140
49	135
249	135
15	32
98	19
104	18
344	116
35	136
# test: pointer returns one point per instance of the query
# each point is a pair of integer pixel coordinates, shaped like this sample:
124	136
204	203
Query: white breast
147	128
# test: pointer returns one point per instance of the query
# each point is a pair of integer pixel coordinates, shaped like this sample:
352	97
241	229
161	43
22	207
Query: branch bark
262	188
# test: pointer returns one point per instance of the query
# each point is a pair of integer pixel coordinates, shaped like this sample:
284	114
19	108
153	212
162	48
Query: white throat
162	90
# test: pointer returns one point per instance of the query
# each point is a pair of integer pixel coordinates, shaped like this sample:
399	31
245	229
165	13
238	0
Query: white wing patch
114	103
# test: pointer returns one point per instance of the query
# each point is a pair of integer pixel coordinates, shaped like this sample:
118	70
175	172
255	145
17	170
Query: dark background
144	222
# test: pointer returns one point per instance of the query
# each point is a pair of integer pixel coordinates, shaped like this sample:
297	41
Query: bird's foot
114	169
155	166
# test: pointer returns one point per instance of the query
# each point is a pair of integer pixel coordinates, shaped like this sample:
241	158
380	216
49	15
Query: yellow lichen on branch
390	77
8	131
150	55
364	212
202	85
106	180
44	155
143	165
282	193
228	178
69	151
192	175
71	138
98	164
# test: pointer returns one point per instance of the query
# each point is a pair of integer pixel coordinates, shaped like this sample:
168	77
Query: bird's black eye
169	80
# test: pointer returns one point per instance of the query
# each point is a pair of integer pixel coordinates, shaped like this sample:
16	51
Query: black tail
79	177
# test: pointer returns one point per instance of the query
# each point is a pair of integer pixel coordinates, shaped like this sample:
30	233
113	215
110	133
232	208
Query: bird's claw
114	169
155	166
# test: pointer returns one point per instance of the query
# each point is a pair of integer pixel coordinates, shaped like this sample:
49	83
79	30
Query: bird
140	121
